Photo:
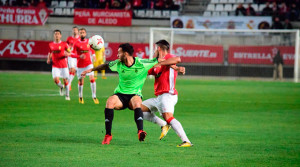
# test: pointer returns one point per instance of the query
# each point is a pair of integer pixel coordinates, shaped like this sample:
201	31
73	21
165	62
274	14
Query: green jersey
132	79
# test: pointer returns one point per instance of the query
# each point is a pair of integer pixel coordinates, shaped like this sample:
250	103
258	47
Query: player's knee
110	103
56	81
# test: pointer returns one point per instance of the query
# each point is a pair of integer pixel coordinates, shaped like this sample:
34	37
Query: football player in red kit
82	51
58	55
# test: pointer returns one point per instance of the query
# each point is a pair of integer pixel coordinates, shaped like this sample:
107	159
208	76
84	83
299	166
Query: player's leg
135	104
113	102
149	107
65	76
72	62
56	74
71	76
66	83
80	90
168	102
93	89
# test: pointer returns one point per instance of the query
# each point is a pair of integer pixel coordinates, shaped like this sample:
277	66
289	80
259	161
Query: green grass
231	123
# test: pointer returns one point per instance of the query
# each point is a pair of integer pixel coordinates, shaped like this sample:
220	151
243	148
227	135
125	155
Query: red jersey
58	54
82	47
71	40
165	79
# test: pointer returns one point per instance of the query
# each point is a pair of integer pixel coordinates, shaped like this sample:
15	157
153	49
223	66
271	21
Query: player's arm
49	58
100	67
178	69
170	61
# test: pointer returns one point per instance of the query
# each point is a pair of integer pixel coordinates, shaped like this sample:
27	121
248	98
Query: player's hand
181	70
82	56
48	61
156	65
160	59
85	72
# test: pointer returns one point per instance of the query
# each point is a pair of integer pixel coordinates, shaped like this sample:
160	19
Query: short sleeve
149	63
113	65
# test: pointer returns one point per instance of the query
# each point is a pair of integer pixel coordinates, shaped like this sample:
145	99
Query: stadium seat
58	11
248	1
63	4
235	6
71	4
67	11
149	13
223	1
207	14
140	13
215	14
210	7
157	13
54	3
174	13
228	7
214	1
255	7
166	13
224	14
219	7
261	7
240	1
71	11
232	1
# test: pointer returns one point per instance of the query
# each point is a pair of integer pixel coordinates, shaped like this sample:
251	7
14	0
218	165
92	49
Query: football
96	42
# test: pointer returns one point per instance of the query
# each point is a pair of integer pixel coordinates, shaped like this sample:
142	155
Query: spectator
277	24
32	3
137	4
104	4
240	10
159	4
275	9
41	4
128	6
294	12
267	11
250	10
287	24
6	3
24	3
283	11
169	4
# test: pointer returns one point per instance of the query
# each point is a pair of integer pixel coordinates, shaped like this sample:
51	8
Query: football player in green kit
132	72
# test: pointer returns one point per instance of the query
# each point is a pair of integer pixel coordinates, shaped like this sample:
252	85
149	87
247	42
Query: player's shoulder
169	55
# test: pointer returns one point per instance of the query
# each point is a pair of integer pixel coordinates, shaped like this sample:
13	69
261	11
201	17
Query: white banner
228	22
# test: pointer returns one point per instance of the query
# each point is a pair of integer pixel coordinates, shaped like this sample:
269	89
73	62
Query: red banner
199	53
260	54
24	49
102	17
188	53
39	50
24	16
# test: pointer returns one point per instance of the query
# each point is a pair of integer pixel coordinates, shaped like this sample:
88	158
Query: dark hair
74	27
163	44
126	47
56	31
82	29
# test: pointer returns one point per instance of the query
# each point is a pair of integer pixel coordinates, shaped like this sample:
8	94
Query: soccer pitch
230	123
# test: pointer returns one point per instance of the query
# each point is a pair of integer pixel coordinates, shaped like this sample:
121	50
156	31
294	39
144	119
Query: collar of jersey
81	40
132	63
57	42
